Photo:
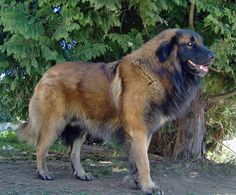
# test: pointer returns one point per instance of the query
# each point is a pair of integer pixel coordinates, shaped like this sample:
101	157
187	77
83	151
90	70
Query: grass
11	148
222	154
105	164
9	144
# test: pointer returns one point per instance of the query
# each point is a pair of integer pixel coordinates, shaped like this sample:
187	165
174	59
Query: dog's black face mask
192	54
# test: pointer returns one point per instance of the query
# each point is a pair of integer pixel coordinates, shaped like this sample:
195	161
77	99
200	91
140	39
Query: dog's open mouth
203	68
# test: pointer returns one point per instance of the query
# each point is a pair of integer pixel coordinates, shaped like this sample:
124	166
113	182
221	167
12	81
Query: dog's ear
164	51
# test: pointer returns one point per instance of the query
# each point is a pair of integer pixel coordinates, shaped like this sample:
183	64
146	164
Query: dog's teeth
193	64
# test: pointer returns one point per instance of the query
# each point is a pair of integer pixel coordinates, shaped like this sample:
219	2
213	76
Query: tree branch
225	95
191	14
224	146
215	70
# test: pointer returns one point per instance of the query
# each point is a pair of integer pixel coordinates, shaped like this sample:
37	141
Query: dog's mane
184	84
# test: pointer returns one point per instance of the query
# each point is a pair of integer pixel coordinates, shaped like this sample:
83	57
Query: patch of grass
11	148
99	164
106	163
118	149
222	154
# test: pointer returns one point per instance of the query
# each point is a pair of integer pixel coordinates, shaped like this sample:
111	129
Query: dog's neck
185	87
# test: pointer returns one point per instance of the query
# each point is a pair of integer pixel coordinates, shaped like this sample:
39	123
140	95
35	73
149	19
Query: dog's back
69	92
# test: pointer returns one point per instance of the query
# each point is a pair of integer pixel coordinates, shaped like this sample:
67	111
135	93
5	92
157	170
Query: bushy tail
26	132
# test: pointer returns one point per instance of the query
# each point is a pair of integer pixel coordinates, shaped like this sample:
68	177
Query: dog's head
189	49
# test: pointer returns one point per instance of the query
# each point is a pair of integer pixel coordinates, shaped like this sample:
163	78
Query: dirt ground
18	176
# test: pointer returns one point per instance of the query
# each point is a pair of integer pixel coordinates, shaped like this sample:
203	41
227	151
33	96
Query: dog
128	100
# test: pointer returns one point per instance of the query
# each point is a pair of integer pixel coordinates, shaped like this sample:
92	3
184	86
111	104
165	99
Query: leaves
148	11
219	22
104	30
17	19
3	62
130	41
90	51
109	4
19	47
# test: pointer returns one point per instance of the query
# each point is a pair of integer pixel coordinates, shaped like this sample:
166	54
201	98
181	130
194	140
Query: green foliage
10	136
128	42
221	120
90	50
218	27
221	29
16	18
105	30
11	148
222	154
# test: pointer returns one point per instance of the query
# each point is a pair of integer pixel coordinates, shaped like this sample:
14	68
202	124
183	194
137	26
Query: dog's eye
190	44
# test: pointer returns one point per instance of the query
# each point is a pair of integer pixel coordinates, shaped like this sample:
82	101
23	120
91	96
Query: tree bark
190	132
191	14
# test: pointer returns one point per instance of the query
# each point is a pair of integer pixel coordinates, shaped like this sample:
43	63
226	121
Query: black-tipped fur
164	51
71	132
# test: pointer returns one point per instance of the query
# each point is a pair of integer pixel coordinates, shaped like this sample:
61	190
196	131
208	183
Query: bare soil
18	175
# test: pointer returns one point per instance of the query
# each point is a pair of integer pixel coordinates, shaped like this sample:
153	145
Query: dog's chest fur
175	103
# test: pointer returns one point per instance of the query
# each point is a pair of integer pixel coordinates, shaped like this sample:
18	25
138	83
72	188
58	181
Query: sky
1	76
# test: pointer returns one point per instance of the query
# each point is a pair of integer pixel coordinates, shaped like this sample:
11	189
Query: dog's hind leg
49	133
77	167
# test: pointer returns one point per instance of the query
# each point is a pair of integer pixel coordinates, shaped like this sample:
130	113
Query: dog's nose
211	56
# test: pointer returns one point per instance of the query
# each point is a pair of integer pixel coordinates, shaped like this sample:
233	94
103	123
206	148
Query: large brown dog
128	99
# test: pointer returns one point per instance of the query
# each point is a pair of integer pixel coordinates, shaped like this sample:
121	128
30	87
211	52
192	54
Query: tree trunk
190	132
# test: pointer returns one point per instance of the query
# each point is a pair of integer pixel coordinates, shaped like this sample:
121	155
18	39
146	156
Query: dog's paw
45	175
83	177
153	190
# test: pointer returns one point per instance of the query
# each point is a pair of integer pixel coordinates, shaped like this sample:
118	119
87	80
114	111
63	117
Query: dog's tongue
203	68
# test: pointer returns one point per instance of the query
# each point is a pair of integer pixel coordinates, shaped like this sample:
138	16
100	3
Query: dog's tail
26	132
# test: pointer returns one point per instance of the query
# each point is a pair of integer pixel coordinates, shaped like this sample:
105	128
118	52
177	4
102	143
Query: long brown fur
104	100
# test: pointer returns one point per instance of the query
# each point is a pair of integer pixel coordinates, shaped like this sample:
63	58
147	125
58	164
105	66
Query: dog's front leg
139	140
